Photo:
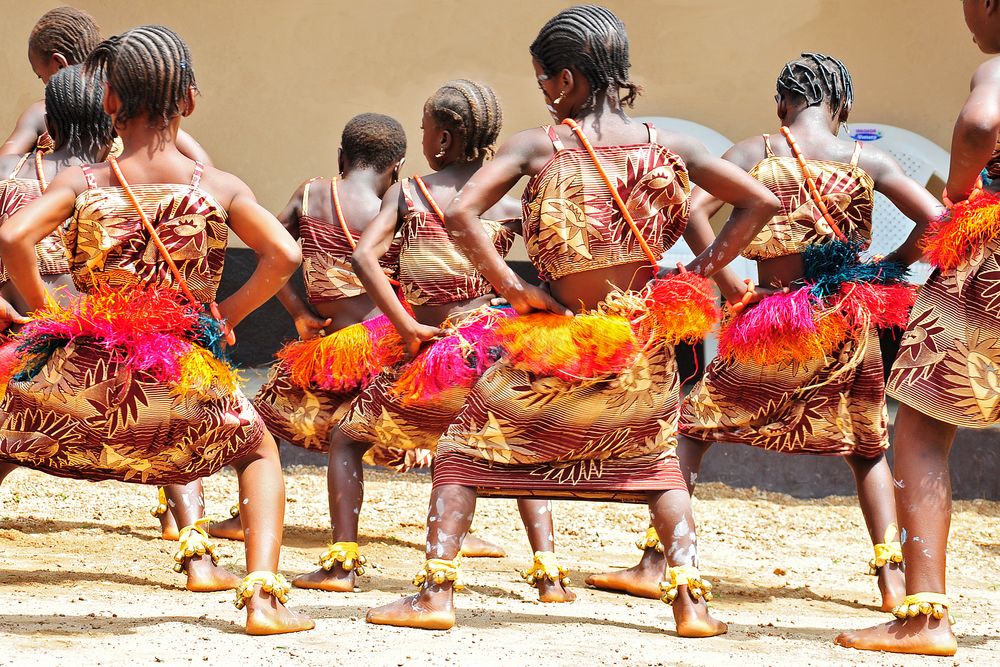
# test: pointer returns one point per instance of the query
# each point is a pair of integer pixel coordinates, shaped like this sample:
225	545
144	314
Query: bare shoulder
877	162
508	208
224	186
34	117
987	74
7	164
531	148
747	153
71	178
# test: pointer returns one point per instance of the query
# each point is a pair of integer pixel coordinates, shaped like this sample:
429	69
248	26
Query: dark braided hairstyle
816	78
373	141
592	40
72	32
74	113
150	70
471	111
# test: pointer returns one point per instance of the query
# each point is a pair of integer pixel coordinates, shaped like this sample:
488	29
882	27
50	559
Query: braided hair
66	30
591	39
471	111
816	78
150	70
373	141
74	113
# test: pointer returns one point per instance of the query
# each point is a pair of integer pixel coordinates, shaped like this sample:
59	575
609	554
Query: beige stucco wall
279	79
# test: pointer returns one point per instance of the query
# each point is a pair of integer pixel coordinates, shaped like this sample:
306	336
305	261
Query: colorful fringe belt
149	329
595	344
960	232
842	296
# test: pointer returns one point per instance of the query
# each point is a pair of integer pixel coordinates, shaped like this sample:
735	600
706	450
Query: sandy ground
85	579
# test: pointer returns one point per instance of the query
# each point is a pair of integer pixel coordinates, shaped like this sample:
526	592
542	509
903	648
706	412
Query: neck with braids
139	136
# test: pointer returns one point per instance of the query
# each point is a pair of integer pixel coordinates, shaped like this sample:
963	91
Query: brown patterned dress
432	272
16	192
948	365
86	414
610	438
831	405
305	416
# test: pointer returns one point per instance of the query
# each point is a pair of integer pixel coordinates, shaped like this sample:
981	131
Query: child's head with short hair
372	141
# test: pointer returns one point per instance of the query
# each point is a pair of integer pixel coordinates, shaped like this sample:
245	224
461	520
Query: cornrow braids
150	70
373	141
816	78
471	111
72	32
591	39
74	113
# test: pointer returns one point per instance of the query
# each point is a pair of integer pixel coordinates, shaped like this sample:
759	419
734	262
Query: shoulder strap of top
857	154
652	132
430	199
199	169
20	163
407	194
304	208
768	151
554	138
43	183
89	176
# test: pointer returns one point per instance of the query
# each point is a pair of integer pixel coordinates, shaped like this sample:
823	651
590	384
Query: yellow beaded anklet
194	541
546	566
439	570
928	604
347	555
650	541
685	575
161	503
272	583
885	553
234	511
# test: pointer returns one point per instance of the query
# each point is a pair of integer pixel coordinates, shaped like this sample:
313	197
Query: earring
440	153
559	99
847	129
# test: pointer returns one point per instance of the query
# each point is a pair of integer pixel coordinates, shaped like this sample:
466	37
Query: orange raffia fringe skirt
584	406
311	388
410	405
123	384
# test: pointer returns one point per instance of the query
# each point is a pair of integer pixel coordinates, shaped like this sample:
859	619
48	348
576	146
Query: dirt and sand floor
85	579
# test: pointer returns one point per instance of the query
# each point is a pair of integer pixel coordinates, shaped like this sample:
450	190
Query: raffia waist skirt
410	405
123	384
948	365
581	407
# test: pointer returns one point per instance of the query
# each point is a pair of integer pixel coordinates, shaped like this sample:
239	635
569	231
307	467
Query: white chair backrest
717	144
921	159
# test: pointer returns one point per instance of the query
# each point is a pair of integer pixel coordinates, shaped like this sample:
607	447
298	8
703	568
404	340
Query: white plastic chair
921	159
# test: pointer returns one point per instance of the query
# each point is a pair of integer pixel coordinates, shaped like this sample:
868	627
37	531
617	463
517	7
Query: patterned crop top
14	194
571	221
327	250
846	189
432	269
106	237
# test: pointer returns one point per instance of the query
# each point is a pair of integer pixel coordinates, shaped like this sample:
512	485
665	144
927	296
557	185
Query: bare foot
205	577
692	617
230	529
892	585
642	580
336	580
426	610
267	616
554	591
476	547
922	635
168	527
